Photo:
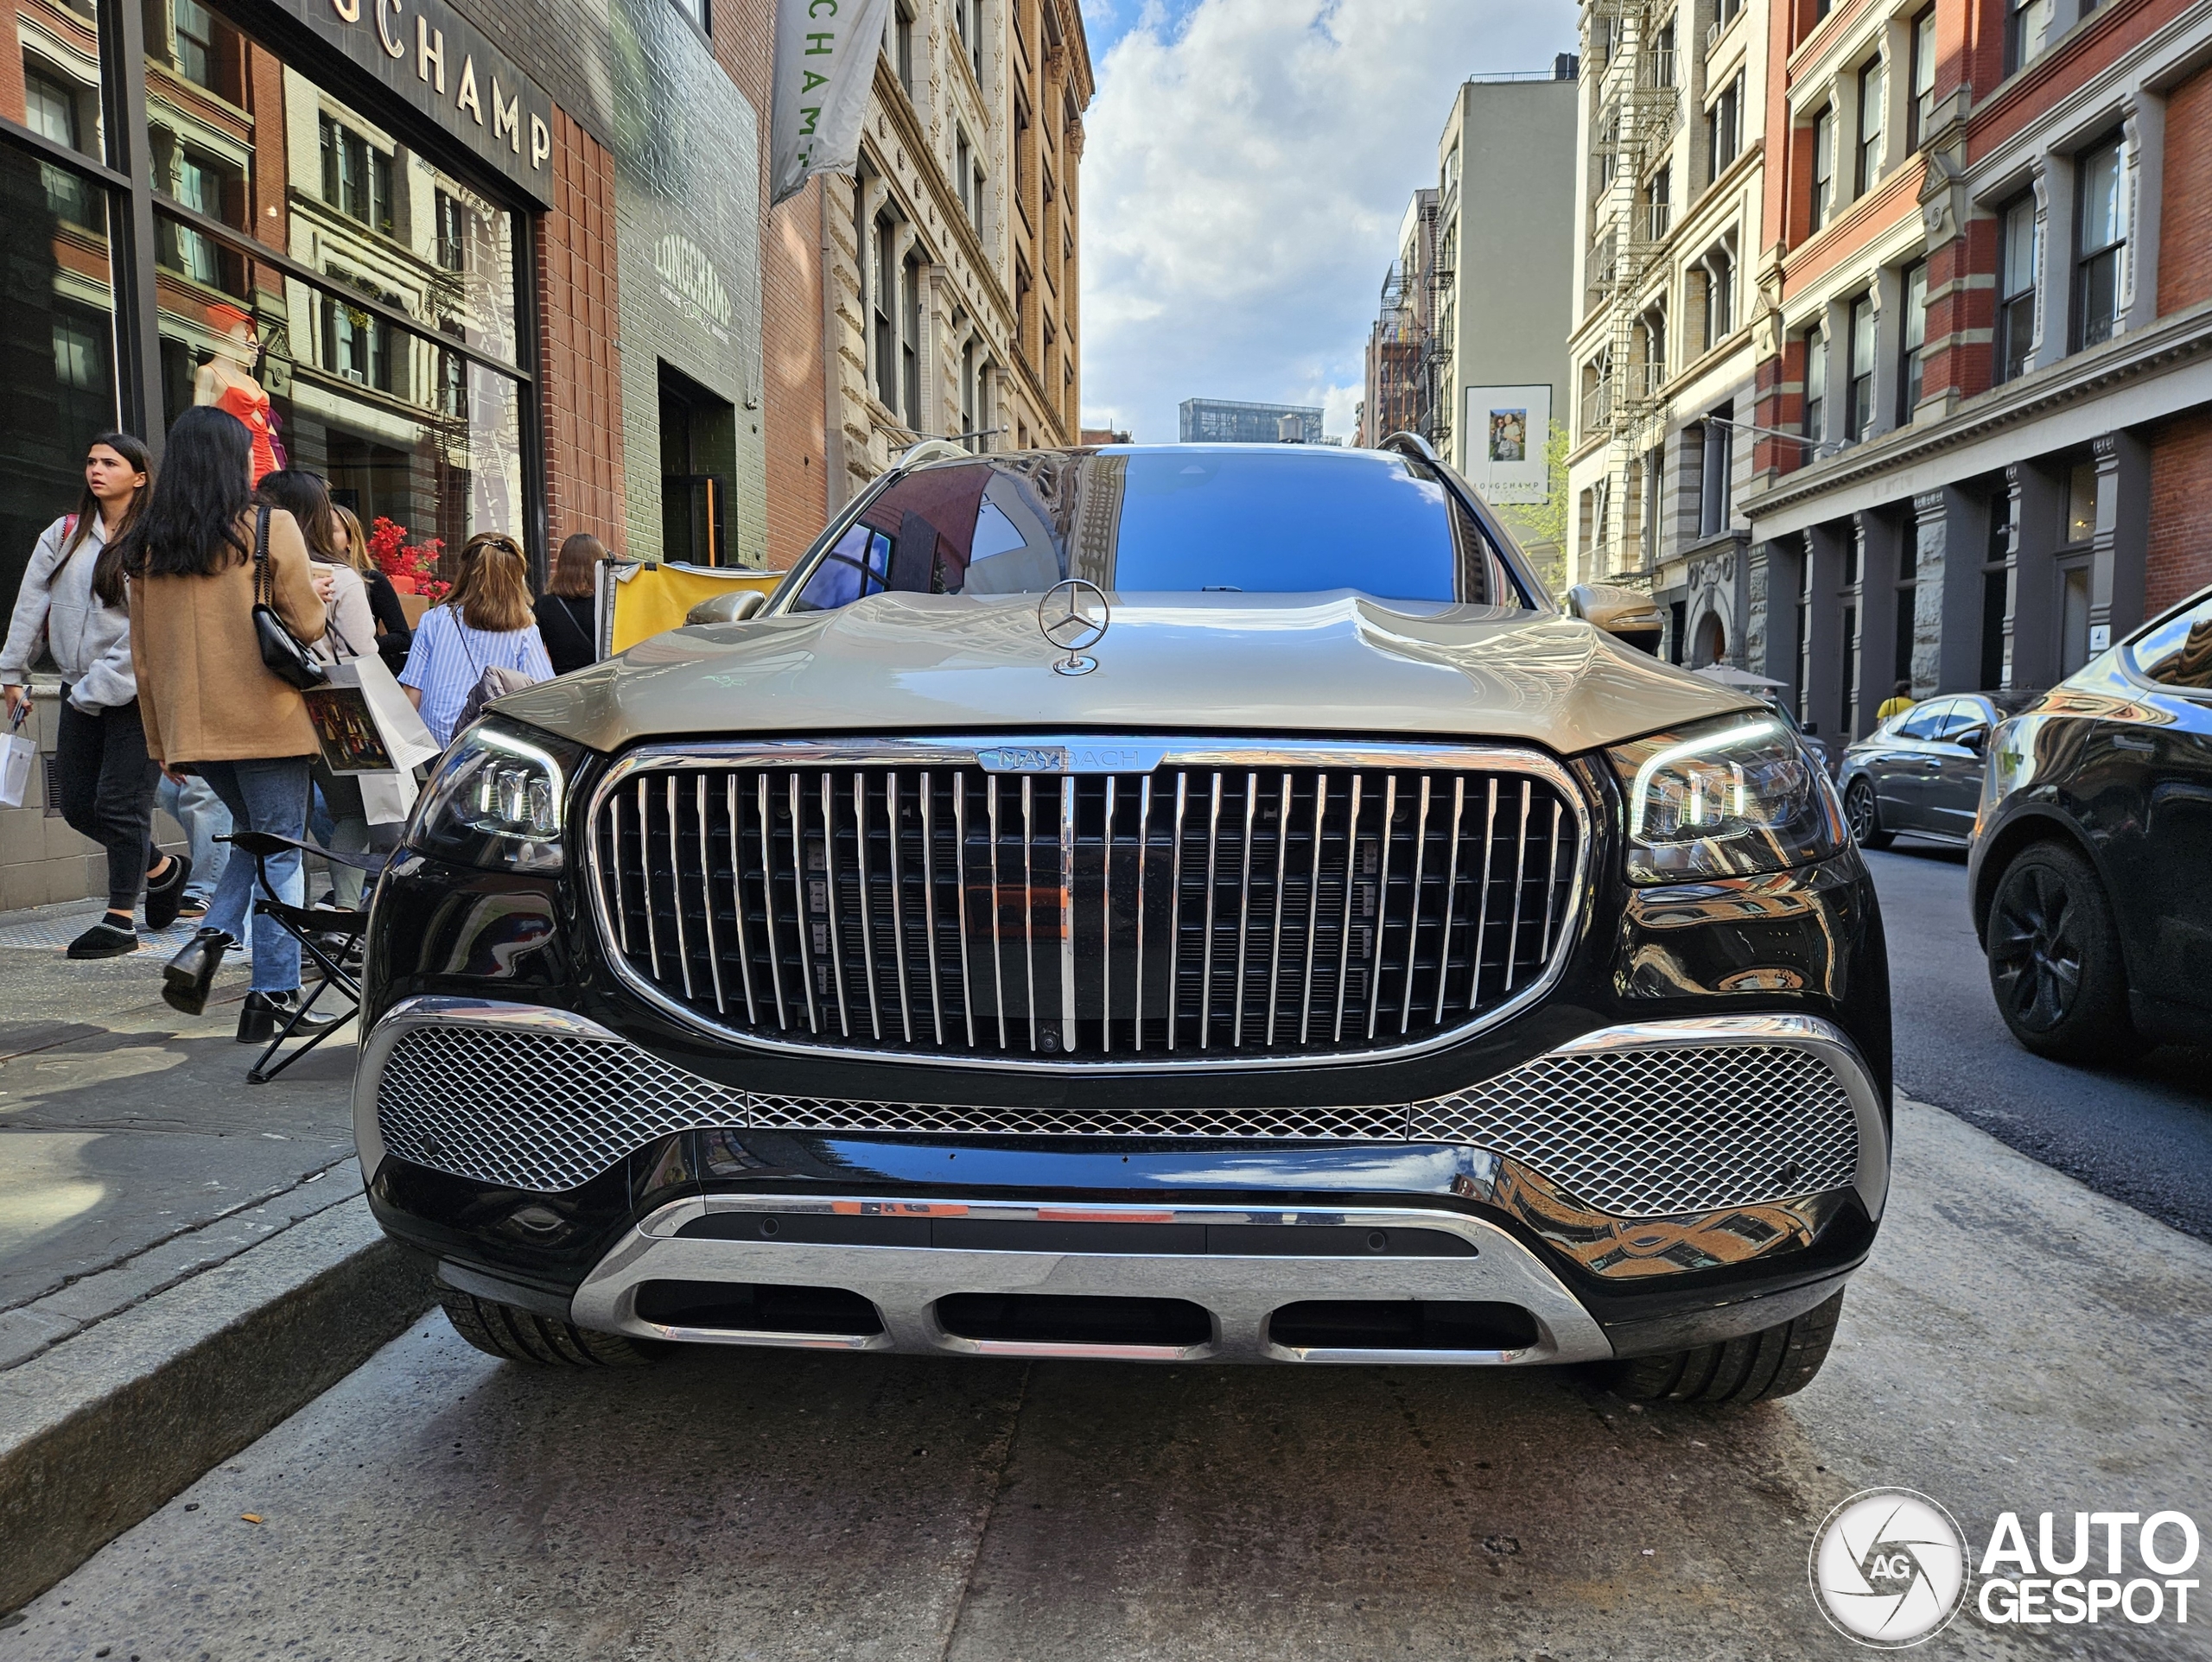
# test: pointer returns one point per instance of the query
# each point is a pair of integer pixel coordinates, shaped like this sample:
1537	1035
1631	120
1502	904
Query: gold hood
1328	664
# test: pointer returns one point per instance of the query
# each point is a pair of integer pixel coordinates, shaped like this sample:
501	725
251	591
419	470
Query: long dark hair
307	498
189	527
107	579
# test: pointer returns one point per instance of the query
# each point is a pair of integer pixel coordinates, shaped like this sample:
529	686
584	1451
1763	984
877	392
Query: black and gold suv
1181	903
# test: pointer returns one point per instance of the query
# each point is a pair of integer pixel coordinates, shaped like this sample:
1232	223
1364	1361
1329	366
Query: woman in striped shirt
484	624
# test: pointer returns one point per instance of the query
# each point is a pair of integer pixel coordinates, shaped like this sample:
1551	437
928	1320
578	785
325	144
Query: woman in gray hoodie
106	778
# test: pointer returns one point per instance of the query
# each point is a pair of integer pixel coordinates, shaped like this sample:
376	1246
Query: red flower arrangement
412	567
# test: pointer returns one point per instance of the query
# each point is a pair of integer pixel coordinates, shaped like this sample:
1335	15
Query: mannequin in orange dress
226	381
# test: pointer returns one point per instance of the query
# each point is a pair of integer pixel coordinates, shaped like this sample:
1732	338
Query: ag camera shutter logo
1889	1568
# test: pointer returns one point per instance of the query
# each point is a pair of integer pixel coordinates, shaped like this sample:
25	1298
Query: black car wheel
1777	1361
2054	958
1864	817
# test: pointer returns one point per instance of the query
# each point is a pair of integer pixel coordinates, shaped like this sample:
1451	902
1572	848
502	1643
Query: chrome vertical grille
1221	905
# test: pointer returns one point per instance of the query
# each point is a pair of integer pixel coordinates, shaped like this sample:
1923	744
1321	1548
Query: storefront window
355	347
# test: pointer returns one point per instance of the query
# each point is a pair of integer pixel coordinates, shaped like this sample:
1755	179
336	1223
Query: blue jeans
262	795
195	806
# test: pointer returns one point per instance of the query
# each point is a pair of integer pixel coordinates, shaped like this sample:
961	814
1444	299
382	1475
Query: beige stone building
953	253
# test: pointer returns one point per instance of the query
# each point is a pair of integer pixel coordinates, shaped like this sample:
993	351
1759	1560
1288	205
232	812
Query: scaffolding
1639	107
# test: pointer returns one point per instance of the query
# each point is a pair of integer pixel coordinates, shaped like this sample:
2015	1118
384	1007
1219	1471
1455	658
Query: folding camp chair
326	935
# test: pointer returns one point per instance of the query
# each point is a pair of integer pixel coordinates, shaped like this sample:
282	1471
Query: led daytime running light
1747	734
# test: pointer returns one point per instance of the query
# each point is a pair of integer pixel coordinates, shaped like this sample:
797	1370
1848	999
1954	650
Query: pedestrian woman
211	706
351	632
106	778
566	611
393	631
484	624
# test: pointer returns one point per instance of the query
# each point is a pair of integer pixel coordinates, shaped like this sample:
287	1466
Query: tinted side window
2179	652
1964	713
1926	721
855	566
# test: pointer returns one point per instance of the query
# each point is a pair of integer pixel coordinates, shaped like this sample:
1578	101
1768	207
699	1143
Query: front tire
1864	815
515	1334
1777	1361
2054	958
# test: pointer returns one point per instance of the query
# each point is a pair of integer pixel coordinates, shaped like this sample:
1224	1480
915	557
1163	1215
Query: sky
1246	164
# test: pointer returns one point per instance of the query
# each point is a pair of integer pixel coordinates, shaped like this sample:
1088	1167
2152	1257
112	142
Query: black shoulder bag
280	648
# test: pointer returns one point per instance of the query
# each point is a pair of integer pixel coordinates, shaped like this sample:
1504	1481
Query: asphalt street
2140	1133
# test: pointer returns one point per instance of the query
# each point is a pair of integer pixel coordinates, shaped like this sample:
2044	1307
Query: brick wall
582	391
2178	561
793	429
2185	216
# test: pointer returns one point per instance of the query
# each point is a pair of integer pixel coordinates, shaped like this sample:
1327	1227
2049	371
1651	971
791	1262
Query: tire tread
1775	1361
520	1335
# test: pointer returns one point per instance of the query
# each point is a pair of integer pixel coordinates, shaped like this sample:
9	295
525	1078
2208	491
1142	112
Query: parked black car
2091	875
1921	770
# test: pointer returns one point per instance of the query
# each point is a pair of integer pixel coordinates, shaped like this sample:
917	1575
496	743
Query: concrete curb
99	1432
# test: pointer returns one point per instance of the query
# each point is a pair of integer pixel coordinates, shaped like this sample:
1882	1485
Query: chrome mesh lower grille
1640	1134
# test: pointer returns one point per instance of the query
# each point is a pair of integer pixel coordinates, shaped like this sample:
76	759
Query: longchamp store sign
428	55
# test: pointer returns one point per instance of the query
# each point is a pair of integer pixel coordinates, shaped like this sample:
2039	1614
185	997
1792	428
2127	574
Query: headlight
1726	800
498	799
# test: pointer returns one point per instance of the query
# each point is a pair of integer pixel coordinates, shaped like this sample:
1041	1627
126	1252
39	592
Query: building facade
1227	421
1668	205
1467	348
1985	352
952	258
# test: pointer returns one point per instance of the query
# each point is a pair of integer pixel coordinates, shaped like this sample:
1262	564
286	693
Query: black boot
165	895
189	974
265	1014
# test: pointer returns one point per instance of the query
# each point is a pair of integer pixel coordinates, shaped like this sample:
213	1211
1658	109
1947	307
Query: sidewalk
124	1124
185	1258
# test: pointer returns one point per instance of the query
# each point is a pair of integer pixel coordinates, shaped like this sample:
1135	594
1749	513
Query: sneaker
194	909
104	940
165	898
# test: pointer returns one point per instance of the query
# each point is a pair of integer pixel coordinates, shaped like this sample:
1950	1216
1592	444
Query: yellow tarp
649	600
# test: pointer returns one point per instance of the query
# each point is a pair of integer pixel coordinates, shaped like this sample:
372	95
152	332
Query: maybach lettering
2165	1545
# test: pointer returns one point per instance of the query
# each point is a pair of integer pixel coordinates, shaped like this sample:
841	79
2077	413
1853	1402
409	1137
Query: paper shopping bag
16	753
363	722
387	798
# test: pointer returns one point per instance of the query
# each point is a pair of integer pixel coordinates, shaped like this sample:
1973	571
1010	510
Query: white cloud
1244	172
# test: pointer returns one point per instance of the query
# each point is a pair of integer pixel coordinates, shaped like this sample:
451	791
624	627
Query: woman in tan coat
211	705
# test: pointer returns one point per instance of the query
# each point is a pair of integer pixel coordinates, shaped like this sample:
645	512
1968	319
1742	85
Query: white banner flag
825	63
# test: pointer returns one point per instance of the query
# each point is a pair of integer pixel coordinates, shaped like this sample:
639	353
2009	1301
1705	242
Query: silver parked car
1921	770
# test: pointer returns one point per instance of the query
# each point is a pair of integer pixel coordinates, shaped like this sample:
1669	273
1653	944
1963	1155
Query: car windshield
1230	518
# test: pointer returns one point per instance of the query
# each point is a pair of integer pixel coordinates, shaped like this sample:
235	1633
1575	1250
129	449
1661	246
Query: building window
1858	415
910	342
2100	245
1662	203
963	170
50	108
697	11
358	344
968	20
1654	490
2015	288
2027	26
1823	167
1921	111
193	43
1816	388
1662	56
1724	126
900	45
1913	360
1872	84
1720	268
1713	500
356	177
885	299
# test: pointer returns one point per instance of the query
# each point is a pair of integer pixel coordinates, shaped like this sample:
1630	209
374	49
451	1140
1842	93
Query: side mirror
734	607
1975	739
1628	614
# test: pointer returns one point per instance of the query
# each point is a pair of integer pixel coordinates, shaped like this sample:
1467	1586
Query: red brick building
1985	390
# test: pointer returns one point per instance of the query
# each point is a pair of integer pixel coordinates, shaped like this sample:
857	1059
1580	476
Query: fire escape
1412	357
1639	107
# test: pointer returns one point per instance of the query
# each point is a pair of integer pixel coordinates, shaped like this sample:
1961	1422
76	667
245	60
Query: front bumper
1641	1186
